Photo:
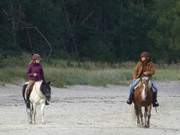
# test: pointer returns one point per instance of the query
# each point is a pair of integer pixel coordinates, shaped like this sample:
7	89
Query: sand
87	110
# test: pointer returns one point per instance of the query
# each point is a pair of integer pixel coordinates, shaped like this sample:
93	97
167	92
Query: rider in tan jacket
145	67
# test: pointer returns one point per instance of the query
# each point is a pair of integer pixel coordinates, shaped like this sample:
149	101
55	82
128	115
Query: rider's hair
32	61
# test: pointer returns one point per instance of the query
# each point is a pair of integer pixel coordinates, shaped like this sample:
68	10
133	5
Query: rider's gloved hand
145	73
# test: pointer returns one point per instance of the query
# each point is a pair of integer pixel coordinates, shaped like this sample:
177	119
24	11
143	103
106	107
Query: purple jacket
35	68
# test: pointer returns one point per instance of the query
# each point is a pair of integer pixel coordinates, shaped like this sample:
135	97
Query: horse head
46	89
145	80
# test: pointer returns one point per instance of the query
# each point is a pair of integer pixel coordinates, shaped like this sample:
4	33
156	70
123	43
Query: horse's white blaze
143	94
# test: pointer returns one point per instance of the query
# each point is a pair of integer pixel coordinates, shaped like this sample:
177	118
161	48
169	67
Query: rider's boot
129	101
155	102
46	103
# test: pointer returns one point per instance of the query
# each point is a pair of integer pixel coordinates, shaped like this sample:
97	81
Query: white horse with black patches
41	92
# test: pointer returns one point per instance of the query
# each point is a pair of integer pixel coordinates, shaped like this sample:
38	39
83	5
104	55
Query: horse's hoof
146	126
34	122
139	125
44	123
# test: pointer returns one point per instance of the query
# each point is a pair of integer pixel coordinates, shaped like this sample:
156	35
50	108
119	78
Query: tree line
97	30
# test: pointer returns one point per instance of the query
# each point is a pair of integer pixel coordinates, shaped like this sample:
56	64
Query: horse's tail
23	94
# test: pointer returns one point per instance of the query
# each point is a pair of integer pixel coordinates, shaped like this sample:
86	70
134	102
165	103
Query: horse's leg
137	114
31	114
141	115
34	113
148	115
28	110
42	111
145	116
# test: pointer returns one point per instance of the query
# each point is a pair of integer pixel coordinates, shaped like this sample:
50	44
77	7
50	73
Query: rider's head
145	56
36	58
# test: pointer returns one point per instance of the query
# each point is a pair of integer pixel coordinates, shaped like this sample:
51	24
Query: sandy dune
86	110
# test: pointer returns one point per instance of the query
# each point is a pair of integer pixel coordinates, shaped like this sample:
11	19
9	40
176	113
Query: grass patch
11	74
169	74
63	73
72	76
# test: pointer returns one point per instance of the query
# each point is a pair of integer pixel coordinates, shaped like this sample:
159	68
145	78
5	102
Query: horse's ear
48	83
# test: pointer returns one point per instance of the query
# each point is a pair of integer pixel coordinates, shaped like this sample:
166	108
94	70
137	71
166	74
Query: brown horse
143	97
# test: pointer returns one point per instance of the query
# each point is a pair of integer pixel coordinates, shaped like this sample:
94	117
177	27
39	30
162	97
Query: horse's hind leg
42	112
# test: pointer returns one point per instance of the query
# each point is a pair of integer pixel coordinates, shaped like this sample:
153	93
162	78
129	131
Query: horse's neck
37	88
143	92
146	89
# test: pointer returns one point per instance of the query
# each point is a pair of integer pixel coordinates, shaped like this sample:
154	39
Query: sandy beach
88	110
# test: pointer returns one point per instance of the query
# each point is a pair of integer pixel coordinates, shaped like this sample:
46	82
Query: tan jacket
140	69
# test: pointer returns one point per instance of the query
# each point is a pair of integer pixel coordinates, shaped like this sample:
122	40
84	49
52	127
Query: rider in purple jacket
34	73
